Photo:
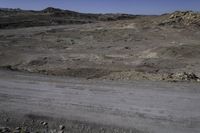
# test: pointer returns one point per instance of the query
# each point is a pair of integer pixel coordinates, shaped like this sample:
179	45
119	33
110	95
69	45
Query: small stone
43	123
126	47
17	128
61	127
4	129
7	120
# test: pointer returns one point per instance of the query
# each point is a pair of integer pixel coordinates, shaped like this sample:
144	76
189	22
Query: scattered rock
188	76
183	77
4	130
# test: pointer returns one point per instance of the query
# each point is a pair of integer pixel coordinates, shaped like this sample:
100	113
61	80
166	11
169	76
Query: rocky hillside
178	19
17	18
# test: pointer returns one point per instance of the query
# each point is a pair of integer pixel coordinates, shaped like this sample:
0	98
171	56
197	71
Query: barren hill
17	18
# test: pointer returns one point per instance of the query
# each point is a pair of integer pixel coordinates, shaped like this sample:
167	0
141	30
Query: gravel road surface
138	106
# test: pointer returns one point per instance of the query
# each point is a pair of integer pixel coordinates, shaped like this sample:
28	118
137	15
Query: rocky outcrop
184	76
179	18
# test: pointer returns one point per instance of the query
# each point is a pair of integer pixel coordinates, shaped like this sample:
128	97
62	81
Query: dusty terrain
165	47
31	102
135	48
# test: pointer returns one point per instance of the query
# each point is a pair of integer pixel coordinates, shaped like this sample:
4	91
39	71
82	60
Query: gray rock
43	123
61	127
18	128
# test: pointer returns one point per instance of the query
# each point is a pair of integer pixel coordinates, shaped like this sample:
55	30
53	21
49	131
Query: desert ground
95	50
156	48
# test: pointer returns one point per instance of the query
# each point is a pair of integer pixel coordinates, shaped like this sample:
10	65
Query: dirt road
141	105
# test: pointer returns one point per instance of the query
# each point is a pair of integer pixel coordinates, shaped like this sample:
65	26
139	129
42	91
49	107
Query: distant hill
17	18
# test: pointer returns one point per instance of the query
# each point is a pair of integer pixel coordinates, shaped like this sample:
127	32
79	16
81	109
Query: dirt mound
179	18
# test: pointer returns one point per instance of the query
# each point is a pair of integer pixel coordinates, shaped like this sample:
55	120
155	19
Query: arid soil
36	103
165	47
